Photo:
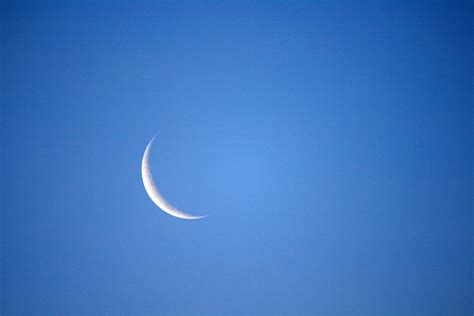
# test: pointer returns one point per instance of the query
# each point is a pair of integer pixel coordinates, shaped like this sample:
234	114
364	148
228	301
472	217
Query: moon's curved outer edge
153	192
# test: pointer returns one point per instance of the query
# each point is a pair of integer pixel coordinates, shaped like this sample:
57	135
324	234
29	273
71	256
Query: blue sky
330	145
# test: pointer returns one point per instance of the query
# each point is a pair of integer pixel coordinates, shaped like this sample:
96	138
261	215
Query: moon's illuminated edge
153	192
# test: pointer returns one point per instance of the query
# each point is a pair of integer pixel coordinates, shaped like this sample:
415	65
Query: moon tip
199	217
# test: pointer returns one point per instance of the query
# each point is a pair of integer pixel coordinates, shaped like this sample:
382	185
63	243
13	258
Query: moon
153	192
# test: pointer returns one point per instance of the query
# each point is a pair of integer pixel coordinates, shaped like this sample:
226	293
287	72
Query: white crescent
153	192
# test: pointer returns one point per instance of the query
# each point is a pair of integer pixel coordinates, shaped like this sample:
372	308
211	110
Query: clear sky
330	145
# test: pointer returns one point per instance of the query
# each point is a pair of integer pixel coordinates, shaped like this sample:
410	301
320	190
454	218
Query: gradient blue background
330	145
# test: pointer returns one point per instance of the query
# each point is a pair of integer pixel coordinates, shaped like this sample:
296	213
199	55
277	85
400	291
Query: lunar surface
153	192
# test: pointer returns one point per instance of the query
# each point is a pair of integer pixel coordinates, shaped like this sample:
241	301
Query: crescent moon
153	192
